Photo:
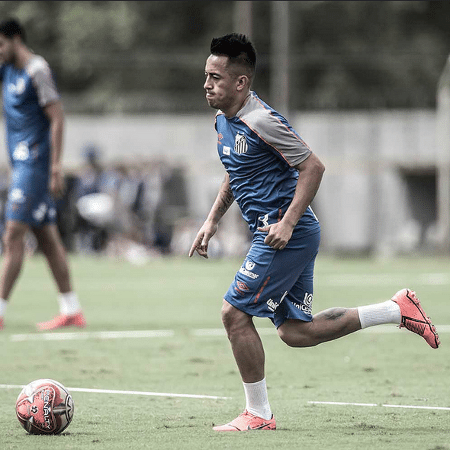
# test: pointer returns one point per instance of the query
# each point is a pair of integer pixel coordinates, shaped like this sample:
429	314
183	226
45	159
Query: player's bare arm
310	175
55	114
223	201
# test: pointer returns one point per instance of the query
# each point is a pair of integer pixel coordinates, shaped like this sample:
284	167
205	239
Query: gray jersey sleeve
276	133
40	73
283	139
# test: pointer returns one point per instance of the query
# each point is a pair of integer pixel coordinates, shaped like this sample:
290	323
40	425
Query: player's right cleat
414	318
63	320
247	421
1	323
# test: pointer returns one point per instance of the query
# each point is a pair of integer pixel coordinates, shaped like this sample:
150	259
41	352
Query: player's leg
403	309
50	243
249	355
326	326
245	343
13	253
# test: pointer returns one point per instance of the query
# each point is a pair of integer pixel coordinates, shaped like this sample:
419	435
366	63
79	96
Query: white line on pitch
112	391
91	335
441	408
202	332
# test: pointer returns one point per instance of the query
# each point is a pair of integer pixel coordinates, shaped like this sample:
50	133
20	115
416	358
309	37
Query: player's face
220	85
6	49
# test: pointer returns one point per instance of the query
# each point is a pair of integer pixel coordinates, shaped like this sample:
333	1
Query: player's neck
237	107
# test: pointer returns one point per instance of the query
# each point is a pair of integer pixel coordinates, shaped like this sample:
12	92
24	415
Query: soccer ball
44	407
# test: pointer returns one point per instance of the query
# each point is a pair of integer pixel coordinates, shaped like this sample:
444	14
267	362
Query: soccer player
273	176
34	127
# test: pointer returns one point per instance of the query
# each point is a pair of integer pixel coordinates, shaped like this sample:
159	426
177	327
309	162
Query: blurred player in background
273	176
34	127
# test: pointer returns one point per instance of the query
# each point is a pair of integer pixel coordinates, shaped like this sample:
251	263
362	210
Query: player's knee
13	239
288	339
233	319
296	337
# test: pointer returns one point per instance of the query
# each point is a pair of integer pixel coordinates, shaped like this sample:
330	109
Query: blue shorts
276	283
29	200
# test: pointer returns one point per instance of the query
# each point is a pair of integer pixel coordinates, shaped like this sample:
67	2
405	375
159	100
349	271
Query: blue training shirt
25	93
259	150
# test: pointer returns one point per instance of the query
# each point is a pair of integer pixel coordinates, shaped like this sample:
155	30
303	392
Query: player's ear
242	82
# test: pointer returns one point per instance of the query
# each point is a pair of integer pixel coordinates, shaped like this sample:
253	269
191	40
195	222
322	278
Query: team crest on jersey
240	144
17	88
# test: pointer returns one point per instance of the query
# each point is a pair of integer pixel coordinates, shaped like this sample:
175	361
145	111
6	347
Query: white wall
362	200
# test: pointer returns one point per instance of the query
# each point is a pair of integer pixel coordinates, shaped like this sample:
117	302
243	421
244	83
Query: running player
273	176
34	127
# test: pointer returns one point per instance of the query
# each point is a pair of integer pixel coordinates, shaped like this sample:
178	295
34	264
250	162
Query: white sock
256	398
68	303
3	305
386	312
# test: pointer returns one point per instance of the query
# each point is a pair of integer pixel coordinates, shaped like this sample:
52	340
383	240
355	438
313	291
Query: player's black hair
238	48
11	28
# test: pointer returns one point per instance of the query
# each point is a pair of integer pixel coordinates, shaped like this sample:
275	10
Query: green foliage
149	56
185	294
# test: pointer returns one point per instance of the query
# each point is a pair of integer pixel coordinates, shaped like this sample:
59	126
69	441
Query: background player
34	127
273	176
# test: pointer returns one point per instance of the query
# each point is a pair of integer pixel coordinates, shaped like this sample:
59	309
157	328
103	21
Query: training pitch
153	369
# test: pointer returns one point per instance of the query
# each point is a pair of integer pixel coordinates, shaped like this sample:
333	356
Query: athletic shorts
29	200
276	283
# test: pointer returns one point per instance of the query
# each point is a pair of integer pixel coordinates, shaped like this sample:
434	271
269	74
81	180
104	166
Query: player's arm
223	201
310	175
55	114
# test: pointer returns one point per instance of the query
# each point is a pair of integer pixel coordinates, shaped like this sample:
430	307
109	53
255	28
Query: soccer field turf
156	329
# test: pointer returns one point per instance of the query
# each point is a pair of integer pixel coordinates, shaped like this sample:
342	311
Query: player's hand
56	182
200	244
278	235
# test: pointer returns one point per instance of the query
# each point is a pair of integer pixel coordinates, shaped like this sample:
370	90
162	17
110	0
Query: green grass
186	294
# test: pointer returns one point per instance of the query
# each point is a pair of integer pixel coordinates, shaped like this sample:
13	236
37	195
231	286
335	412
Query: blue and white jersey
25	93
259	150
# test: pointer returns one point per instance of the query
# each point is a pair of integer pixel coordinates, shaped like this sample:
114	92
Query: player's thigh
14	231
48	237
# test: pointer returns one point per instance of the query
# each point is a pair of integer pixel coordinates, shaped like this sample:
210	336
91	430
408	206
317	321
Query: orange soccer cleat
63	320
247	421
414	318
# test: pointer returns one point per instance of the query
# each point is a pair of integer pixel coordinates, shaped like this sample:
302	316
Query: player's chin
212	102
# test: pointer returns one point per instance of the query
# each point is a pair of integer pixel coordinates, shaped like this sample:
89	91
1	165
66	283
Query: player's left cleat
247	421
414	318
63	320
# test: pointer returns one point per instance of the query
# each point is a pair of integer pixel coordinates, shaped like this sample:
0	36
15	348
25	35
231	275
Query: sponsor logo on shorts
52	213
249	265
39	213
241	288
16	195
272	305
306	306
226	150
247	268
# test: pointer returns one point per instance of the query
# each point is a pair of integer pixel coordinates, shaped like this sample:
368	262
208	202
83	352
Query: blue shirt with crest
25	93
259	150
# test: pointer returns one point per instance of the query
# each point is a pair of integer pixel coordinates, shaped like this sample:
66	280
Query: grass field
182	299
